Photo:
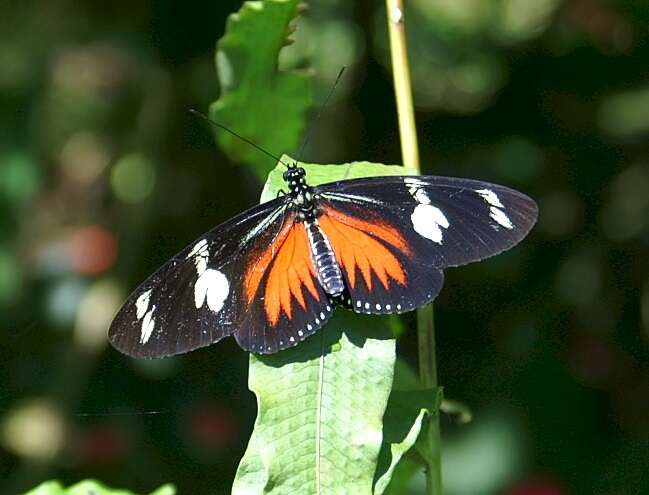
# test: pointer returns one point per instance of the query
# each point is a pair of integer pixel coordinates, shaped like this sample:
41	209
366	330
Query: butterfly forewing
196	298
254	277
401	232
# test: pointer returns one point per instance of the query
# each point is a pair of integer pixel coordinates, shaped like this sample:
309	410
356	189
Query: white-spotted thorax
322	255
300	192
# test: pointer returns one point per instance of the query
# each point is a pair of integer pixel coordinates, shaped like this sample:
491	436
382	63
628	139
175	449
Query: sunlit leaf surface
319	427
90	487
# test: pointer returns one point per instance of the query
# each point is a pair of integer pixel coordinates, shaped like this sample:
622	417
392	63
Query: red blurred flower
92	250
213	426
101	445
536	486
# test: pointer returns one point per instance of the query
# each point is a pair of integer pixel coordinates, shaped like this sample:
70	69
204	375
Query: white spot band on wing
142	304
212	285
198	248
490	197
499	216
148	324
428	221
415	188
200	252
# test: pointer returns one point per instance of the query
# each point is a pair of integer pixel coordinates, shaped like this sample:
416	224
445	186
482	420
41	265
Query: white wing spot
490	197
358	304
292	339
428	221
201	254
142	304
378	307
309	327
213	286
388	307
415	188
322	316
148	324
300	332
367	305
317	322
499	216
198	248
328	308
413	182
398	307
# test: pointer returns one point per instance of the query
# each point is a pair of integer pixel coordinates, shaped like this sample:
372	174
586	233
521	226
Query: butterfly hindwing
383	272
195	299
408	229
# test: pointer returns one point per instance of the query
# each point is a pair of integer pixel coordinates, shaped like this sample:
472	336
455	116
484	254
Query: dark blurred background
104	175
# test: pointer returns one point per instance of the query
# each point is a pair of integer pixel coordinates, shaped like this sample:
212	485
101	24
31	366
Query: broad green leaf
258	100
321	404
403	423
319	427
87	487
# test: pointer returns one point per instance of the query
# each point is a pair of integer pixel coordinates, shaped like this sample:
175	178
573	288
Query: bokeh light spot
579	280
626	214
92	250
19	177
84	157
10	277
626	113
63	300
133	178
519	159
96	310
34	429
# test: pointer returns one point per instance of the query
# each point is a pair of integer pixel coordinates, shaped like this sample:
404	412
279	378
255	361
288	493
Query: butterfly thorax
324	259
300	193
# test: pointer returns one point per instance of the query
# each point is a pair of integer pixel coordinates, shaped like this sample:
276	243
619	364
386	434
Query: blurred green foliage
547	343
87	487
266	105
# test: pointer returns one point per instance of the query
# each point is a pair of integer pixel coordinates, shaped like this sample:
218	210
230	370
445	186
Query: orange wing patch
354	244
288	263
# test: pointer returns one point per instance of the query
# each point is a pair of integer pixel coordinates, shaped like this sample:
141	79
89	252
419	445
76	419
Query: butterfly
273	275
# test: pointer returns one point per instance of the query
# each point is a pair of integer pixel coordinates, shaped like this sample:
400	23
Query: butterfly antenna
245	140
331	92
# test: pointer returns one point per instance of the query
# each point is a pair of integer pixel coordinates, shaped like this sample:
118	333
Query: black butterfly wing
197	297
412	228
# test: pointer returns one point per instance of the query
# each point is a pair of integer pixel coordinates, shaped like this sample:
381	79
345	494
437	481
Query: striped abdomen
324	260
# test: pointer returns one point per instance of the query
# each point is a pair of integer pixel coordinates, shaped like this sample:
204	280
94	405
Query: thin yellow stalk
410	155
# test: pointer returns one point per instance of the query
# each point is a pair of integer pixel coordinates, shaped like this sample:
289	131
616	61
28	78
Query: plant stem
410	155
402	85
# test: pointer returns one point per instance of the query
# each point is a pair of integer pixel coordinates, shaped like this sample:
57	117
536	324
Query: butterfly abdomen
324	260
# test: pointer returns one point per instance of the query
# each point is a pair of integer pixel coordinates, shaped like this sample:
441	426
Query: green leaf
87	487
404	422
320	174
319	427
258	100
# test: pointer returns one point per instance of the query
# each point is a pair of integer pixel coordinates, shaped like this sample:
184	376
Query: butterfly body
272	275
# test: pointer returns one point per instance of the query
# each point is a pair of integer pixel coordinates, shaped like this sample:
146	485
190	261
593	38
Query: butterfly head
293	173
